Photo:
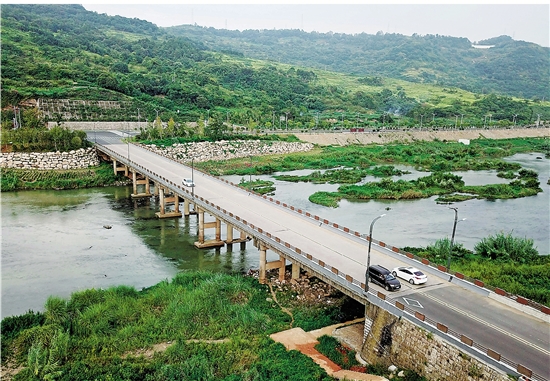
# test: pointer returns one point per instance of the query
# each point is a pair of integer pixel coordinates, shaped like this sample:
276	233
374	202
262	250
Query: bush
505	247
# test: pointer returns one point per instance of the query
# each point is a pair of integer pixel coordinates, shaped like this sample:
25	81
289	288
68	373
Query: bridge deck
515	335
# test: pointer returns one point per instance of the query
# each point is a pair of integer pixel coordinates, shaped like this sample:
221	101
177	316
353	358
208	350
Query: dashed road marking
451	307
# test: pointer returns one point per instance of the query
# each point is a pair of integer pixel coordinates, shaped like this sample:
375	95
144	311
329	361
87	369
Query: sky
473	21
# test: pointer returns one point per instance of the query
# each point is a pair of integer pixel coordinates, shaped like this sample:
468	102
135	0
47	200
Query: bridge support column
216	242
163	200
263	264
230	240
117	169
162	208
229	234
295	270
147	186
134	182
141	181
282	268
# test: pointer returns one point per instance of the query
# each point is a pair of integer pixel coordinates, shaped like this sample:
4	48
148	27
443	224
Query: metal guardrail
344	282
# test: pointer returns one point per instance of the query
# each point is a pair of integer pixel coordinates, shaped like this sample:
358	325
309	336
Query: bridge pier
295	270
122	168
186	210
163	200
264	265
216	242
143	181
229	236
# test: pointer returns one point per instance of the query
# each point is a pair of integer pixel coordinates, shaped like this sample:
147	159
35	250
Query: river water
58	242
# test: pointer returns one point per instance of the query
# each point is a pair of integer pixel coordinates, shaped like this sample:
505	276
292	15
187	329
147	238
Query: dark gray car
383	277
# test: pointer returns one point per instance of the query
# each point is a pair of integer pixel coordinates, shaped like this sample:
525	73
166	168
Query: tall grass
108	329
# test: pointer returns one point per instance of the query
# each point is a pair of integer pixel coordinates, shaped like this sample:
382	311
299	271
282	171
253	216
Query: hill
76	65
509	67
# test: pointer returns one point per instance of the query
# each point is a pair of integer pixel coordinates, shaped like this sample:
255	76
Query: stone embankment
224	150
81	158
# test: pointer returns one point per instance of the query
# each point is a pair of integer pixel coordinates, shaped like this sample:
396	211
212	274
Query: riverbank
216	326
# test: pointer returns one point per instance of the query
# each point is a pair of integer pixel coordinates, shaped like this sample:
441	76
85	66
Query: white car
188	182
410	274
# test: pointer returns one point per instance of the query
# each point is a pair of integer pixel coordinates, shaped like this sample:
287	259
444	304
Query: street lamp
192	178
421	117
128	140
368	253
453	238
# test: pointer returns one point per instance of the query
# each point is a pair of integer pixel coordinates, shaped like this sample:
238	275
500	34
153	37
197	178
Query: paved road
517	336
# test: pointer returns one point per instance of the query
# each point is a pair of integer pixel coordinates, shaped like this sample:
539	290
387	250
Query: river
58	242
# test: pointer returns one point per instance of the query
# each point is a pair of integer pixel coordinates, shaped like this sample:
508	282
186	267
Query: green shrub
504	247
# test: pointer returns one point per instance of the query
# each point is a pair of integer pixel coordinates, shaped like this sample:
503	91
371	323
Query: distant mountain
510	67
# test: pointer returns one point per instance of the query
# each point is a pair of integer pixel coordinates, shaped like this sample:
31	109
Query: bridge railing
333	274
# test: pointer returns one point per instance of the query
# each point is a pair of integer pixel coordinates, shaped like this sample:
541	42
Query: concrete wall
81	158
346	138
396	341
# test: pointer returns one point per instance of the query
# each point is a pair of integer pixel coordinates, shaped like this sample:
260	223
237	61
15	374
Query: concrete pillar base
141	195
209	243
168	214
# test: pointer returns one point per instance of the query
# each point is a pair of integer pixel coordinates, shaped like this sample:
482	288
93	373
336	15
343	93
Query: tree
215	129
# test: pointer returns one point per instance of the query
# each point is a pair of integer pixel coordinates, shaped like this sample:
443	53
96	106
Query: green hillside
103	68
514	68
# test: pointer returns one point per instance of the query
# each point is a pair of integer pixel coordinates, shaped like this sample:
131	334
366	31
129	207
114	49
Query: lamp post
368	253
453	238
421	117
461	118
192	178
128	140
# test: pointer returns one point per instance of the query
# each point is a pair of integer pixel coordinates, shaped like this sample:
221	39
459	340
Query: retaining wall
396	341
81	158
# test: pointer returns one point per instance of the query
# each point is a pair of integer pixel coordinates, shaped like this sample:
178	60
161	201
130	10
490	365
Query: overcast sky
474	21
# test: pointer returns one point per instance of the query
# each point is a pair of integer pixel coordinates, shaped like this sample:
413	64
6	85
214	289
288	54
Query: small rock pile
81	158
223	150
309	290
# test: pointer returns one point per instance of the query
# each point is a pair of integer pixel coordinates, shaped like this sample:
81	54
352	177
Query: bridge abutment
393	340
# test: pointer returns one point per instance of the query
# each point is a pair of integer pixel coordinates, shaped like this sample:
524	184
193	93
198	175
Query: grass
99	333
33	179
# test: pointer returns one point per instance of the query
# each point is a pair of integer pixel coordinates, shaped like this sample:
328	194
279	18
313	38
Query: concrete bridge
508	333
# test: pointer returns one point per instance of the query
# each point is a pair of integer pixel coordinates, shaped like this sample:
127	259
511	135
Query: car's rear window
419	273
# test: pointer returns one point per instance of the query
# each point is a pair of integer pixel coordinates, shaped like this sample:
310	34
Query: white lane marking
546	352
413	302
